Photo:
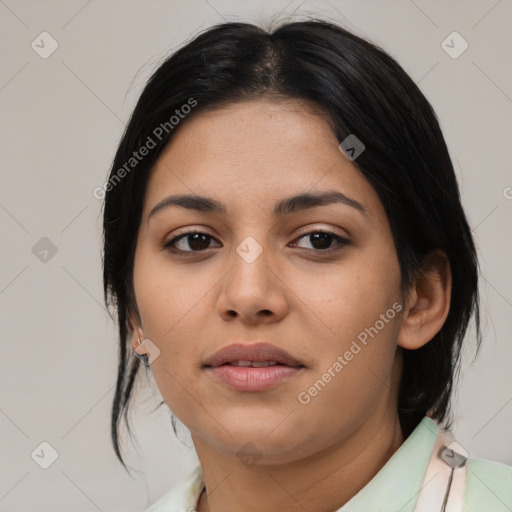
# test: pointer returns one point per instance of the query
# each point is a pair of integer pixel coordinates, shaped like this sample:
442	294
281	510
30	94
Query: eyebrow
283	207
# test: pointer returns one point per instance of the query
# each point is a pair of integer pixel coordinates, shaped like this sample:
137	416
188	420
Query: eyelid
342	241
303	231
320	229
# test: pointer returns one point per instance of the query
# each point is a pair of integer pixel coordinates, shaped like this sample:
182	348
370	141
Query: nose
252	289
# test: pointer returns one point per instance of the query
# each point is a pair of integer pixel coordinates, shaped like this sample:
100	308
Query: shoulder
182	497
488	485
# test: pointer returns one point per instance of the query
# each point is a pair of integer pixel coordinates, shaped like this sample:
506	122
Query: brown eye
194	241
322	240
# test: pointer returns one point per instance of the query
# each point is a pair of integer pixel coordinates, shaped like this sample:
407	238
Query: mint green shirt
395	487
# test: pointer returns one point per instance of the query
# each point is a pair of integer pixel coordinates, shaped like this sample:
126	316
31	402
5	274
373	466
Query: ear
428	302
136	333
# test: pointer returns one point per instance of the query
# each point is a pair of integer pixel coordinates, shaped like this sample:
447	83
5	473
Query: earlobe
428	303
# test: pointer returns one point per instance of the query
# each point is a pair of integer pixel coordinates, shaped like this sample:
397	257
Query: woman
286	250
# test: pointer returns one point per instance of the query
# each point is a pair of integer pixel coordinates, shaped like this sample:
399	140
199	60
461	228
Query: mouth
254	367
255	354
255	364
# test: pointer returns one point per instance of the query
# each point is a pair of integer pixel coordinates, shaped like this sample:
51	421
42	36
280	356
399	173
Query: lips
255	355
253	368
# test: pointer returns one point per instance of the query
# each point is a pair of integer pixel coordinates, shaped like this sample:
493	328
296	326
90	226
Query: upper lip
254	352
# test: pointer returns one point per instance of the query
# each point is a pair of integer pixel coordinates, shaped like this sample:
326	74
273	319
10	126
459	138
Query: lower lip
250	378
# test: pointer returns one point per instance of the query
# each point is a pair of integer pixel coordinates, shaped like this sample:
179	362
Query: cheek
168	297
360	323
344	300
352	375
170	305
174	303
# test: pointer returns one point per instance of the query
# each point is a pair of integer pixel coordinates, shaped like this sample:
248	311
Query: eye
196	241
321	240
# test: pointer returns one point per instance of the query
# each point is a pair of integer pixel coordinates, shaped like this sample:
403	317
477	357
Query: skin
312	302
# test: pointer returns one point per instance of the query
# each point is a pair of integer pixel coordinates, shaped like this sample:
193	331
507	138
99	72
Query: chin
261	441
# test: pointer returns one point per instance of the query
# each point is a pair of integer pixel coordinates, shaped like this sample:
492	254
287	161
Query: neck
323	482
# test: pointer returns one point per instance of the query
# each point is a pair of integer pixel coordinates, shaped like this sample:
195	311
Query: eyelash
342	242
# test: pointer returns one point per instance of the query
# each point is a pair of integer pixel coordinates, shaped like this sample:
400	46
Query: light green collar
396	486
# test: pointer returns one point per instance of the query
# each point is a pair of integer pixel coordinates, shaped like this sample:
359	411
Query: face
317	279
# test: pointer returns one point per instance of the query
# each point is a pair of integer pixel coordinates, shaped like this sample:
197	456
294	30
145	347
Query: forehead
255	151
267	129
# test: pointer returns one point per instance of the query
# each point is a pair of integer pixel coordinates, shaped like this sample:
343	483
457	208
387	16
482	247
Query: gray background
62	117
